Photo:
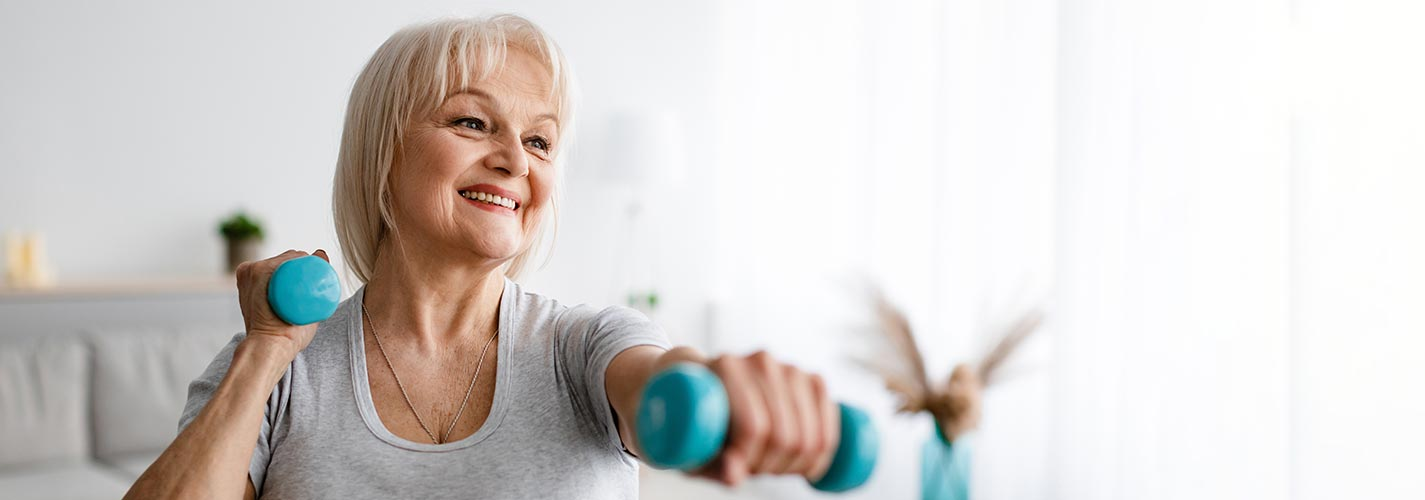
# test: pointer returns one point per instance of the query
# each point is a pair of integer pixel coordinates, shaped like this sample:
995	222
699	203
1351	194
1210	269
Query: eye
538	143
471	123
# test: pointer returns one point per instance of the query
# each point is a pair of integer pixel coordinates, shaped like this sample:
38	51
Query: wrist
271	353
678	355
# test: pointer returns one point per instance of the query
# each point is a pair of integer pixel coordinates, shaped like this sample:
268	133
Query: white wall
1358	357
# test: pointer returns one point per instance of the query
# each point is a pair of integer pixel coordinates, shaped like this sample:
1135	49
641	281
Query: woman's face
494	138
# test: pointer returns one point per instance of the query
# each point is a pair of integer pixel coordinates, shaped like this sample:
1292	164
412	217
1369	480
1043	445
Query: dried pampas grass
954	403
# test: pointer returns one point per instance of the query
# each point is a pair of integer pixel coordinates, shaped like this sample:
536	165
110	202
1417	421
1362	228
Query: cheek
416	191
426	172
542	187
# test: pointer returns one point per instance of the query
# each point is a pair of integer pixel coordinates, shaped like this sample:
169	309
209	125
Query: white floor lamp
644	154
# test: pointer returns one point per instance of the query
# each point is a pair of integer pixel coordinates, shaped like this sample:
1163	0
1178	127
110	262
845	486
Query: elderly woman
442	377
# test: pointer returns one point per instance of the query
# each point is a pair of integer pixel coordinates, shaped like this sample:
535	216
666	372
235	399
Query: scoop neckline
361	381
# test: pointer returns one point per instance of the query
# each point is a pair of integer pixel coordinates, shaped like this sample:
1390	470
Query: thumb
734	468
323	254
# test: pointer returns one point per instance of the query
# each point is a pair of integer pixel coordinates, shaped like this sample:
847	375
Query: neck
433	303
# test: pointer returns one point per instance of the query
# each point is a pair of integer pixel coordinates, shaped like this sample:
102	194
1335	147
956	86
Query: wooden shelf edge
123	288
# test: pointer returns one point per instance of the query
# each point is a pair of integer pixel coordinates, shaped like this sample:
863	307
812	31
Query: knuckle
720	360
809	446
756	428
816	444
721	365
818	385
792	373
764	362
783	442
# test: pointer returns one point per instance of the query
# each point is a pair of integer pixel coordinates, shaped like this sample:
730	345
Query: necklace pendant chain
446	436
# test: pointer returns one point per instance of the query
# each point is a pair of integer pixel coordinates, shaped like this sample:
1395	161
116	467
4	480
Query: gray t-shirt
550	432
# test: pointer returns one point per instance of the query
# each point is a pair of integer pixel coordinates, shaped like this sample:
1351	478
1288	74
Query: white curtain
911	141
1171	357
1220	199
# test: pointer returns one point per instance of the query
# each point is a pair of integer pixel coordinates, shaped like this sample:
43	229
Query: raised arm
782	421
210	457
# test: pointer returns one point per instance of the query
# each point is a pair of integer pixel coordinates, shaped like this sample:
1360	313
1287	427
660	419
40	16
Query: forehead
522	83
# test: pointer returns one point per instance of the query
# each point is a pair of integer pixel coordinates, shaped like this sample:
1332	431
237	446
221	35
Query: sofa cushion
43	395
132	465
75	481
140	380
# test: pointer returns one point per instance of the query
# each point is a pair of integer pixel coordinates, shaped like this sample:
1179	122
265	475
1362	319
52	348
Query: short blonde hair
413	72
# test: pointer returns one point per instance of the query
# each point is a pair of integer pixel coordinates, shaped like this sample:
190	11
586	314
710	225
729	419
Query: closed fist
261	322
781	422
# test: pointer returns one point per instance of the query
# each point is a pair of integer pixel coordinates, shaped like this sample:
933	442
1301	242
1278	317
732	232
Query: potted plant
244	236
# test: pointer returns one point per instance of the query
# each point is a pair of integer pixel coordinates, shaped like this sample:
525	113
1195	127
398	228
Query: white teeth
490	198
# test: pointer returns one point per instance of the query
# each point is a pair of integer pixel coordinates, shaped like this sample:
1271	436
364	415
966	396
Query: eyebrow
486	95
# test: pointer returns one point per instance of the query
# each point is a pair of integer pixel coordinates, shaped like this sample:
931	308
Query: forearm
210	458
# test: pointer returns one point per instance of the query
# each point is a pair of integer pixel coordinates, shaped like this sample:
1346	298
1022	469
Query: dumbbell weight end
304	290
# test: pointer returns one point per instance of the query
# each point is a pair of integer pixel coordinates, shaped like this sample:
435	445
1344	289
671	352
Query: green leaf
240	227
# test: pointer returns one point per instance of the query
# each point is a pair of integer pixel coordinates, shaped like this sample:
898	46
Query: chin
496	249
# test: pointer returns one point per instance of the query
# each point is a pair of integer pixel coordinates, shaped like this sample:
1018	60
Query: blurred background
1218	203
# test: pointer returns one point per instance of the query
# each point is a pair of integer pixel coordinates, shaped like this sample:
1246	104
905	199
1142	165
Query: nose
509	156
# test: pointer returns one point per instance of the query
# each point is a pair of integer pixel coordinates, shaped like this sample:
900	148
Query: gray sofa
83	414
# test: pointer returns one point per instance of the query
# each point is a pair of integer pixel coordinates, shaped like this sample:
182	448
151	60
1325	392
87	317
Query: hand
262	323
782	421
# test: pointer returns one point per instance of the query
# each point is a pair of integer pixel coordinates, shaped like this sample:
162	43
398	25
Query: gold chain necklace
402	387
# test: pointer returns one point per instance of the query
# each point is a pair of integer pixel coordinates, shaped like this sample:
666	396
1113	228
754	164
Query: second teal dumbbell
683	418
304	290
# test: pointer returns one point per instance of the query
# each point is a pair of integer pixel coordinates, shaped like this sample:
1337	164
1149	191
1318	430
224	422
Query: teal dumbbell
304	290
682	424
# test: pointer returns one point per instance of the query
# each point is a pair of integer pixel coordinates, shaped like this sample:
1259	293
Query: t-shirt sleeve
202	389
589	342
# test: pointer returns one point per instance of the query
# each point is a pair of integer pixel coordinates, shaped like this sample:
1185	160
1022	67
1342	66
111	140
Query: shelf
121	288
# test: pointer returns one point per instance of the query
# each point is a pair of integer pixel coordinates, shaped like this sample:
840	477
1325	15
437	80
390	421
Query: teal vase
945	468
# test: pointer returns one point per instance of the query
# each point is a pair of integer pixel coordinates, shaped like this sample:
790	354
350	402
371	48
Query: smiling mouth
490	199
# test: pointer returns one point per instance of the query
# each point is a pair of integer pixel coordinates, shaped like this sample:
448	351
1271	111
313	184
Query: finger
830	427
714	470
242	270
254	279
747	426
734	470
269	266
263	270
323	254
782	434
807	449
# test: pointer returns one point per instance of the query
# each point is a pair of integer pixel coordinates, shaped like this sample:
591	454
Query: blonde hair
413	72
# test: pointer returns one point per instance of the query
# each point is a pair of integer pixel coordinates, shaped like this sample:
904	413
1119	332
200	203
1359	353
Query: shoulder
527	302
537	309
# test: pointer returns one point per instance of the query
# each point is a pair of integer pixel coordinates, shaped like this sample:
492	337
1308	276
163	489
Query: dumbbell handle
683	419
304	290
